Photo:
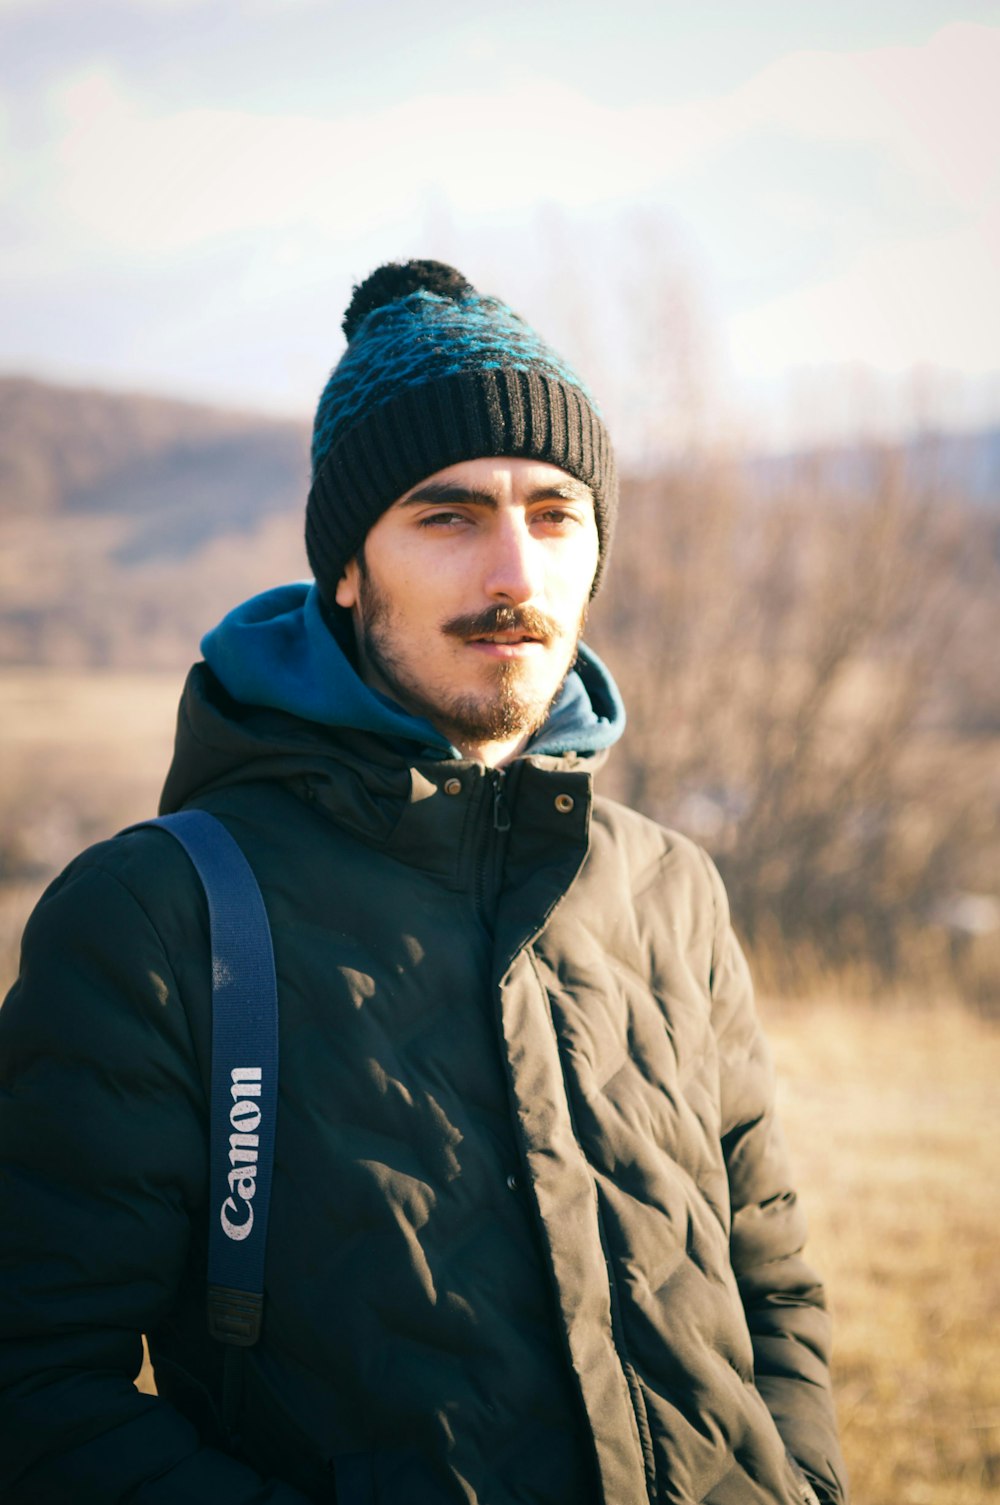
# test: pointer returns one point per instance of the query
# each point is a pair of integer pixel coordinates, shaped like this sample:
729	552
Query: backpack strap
244	1074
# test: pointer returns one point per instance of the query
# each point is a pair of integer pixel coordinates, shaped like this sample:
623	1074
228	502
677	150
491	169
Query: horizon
747	447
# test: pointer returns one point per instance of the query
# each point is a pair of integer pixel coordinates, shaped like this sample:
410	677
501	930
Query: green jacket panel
532	1231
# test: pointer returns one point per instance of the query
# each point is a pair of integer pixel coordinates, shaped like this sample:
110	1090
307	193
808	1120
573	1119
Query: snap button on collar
453	786
564	803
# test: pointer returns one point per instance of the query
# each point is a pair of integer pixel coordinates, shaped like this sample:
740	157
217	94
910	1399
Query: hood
277	695
276	650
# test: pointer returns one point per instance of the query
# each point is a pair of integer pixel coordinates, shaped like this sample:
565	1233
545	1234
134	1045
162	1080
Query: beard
516	702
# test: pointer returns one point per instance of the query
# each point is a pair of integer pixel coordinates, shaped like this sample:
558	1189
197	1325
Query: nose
514	571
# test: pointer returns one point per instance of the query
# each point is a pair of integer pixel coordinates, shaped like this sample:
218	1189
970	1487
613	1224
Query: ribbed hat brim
426	428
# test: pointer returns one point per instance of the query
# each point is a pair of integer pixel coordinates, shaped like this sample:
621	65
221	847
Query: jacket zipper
498	824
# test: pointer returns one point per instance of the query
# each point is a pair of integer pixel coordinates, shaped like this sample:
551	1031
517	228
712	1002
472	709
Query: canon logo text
236	1212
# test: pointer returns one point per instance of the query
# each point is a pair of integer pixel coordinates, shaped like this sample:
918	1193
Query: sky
779	216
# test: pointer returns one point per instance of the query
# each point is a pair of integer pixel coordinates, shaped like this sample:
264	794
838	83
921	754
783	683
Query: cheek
571	592
419	572
575	573
414	612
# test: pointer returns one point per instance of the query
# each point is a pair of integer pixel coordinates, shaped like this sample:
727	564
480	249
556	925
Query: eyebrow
450	491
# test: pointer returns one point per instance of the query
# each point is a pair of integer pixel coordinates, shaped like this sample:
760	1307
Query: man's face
470	595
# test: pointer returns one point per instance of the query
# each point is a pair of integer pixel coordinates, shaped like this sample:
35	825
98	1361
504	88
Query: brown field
82	753
893	1116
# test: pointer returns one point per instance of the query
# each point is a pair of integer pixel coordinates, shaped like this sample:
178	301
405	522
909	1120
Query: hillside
66	449
128	522
962	464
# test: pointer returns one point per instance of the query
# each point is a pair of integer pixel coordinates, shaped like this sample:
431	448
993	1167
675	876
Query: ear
347	585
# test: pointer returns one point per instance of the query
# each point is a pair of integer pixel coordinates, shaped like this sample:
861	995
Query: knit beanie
436	373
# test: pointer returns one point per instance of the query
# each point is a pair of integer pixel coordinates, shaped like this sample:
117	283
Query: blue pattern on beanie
426	338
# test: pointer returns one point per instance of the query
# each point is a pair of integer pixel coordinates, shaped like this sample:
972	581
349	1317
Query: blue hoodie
276	650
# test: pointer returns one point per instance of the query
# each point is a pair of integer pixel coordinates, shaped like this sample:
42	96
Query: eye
442	517
557	517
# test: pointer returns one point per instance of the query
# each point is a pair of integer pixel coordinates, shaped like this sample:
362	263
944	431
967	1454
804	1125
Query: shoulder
656	859
119	941
141	871
648	894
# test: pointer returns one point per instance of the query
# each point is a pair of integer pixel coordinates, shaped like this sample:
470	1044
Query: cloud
117	186
149	184
143	181
935	108
933	300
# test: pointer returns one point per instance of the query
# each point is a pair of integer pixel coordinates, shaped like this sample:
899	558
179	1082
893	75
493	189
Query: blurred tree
786	659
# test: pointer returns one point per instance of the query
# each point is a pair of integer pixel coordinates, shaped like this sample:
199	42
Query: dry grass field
893	1116
894	1121
82	753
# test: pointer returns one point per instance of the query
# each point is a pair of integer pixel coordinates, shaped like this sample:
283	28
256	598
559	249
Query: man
532	1236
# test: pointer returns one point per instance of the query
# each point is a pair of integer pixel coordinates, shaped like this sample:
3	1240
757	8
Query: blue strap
244	1073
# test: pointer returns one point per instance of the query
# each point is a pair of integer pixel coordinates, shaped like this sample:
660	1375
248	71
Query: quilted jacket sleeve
782	1296
103	1162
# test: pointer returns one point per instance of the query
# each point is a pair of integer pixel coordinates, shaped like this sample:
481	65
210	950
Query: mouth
505	632
508	635
505	644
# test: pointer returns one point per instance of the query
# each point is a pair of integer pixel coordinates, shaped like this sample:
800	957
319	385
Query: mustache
525	619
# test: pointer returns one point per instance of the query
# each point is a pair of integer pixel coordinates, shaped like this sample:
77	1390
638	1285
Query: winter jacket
532	1236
